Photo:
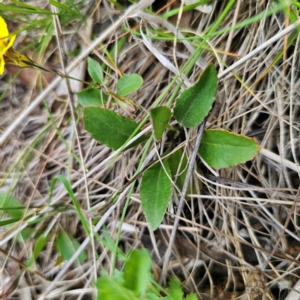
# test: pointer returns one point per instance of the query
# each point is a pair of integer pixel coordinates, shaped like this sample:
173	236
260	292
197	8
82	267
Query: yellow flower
5	42
7	54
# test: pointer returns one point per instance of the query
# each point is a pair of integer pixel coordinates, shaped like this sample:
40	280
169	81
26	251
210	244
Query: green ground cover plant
135	282
149	149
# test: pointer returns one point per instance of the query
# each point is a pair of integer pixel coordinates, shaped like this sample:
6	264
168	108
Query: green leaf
175	289
13	207
66	246
108	127
109	289
91	97
222	149
160	117
66	9
191	297
76	204
156	189
95	70
9	221
26	234
110	244
129	83
178	163
137	273
194	103
152	296
38	247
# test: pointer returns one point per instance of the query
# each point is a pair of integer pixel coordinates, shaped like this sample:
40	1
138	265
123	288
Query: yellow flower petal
5	42
1	64
9	44
3	29
8	55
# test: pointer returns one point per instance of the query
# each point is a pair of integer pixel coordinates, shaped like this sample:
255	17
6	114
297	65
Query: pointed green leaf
108	127
26	234
76	204
129	83
13	207
175	289
109	289
191	297
160	117
38	247
9	221
66	246
91	97
95	70
137	271
222	149
152	296
156	189
194	103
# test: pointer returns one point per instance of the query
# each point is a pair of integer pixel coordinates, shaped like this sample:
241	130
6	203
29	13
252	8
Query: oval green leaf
156	189
194	103
91	97
223	149
95	70
160	117
129	83
108	127
10	205
66	246
137	271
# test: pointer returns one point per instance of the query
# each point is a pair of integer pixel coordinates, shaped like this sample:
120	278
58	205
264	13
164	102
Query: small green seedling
135	282
219	148
106	126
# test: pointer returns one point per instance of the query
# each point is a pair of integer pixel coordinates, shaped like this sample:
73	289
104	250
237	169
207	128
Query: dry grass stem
226	236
